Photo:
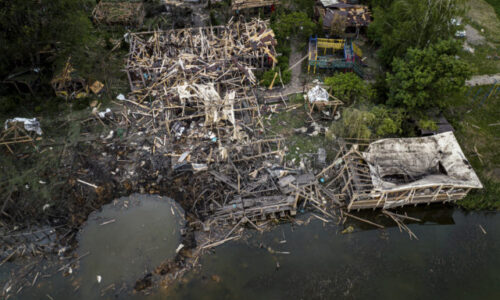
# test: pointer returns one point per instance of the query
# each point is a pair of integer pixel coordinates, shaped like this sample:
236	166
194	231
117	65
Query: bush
380	121
296	24
353	124
268	76
349	88
388	122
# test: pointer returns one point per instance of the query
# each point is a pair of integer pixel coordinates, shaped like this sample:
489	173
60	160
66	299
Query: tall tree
402	24
427	78
29	27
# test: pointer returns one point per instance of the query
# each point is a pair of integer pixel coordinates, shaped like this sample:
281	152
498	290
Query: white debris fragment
317	94
183	156
99	278
45	207
179	248
104	114
121	97
29	124
110	135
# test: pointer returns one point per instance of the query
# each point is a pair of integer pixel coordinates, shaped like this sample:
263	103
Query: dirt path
483	80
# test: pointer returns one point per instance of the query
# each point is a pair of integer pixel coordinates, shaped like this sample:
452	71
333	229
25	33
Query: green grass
479	137
496	6
482	61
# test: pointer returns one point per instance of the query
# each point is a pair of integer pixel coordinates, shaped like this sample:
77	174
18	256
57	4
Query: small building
404	171
342	16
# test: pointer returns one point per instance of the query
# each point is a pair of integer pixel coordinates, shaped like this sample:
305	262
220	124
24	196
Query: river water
452	259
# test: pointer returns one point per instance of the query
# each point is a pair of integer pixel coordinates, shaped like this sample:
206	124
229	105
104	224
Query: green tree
427	78
295	24
354	123
30	28
388	122
349	88
364	123
402	24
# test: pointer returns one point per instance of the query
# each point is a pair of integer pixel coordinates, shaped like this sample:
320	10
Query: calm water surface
453	259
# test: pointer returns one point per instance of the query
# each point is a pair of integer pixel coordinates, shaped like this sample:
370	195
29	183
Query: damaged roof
402	163
356	15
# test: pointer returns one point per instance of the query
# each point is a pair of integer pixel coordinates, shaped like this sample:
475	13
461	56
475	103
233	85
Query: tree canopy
293	24
349	88
29	28
402	24
427	78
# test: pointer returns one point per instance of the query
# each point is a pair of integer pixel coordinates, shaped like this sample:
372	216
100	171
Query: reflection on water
447	262
451	261
118	245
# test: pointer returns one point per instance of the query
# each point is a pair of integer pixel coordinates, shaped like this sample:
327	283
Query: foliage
379	121
487	198
349	88
267	77
306	6
388	122
354	123
427	124
427	78
402	24
32	27
295	24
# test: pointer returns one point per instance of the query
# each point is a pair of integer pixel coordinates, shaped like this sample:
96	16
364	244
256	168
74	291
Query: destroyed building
342	15
119	13
192	90
404	171
238	5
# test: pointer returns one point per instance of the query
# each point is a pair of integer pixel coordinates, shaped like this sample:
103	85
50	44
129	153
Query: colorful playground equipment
326	54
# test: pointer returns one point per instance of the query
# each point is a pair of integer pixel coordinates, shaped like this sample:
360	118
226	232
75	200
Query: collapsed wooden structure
192	90
13	135
246	4
342	16
396	172
334	54
119	13
68	84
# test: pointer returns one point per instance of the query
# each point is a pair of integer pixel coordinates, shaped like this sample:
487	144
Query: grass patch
482	61
299	145
496	6
479	138
484	15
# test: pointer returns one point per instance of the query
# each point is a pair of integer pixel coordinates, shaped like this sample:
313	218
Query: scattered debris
29	124
122	13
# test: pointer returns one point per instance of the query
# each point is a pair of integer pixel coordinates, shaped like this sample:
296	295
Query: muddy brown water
453	259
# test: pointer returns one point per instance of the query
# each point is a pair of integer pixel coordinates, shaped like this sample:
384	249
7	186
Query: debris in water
349	229
216	278
482	229
99	278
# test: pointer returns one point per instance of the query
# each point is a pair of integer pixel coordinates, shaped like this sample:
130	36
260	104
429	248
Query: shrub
268	76
349	88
